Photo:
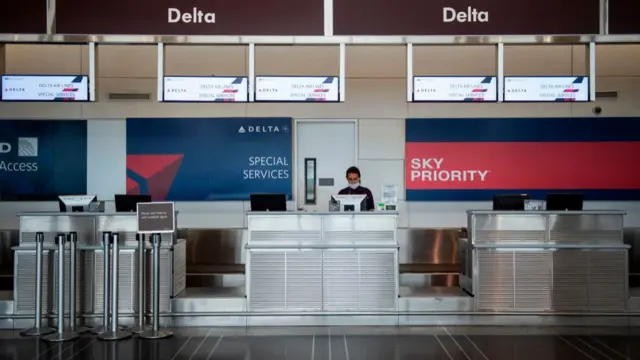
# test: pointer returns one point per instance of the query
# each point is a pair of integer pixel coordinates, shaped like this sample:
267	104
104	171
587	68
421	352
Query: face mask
354	186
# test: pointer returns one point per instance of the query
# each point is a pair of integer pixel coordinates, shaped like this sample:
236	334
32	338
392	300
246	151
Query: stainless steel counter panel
90	272
90	267
547	261
339	262
89	226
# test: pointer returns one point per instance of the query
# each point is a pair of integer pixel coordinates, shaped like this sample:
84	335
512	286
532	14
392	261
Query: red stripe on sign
522	165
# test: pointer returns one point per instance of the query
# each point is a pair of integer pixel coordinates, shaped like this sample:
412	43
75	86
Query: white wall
376	95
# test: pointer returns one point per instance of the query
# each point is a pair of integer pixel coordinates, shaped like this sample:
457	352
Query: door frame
355	122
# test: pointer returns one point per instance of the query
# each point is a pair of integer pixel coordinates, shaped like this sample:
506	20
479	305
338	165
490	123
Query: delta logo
263	129
27	148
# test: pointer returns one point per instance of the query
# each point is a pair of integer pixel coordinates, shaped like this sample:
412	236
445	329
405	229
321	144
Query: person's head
353	177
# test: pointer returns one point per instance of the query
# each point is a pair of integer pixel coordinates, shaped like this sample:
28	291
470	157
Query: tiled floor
478	343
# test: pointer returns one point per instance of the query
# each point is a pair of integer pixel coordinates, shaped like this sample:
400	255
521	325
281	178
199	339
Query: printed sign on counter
297	88
206	89
156	217
552	88
45	88
454	88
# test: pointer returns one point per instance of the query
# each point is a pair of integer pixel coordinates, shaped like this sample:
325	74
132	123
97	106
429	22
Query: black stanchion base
155	335
81	330
101	329
37	331
114	335
139	329
60	337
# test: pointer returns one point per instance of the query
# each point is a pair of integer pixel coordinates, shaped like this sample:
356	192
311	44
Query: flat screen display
206	89
45	88
546	88
455	88
297	88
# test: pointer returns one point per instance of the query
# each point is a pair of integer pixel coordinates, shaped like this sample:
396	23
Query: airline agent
354	188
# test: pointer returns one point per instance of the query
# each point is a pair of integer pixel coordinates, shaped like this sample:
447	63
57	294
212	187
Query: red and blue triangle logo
152	174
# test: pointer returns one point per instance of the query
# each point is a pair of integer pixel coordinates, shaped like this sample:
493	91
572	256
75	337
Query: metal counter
316	262
545	261
90	267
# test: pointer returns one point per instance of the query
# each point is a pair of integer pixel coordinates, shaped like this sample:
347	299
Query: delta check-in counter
90	268
546	262
322	262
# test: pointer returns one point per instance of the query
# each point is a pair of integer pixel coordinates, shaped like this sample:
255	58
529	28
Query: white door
333	144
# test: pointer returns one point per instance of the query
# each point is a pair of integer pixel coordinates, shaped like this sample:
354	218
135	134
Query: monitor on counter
348	202
268	202
565	202
513	202
129	203
75	203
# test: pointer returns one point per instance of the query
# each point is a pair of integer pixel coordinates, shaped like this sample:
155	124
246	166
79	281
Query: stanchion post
106	240
141	327
61	335
73	314
38	329
114	333
155	333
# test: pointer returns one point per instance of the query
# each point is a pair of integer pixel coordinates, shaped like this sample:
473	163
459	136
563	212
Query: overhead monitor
45	88
546	88
297	89
350	202
206	89
455	89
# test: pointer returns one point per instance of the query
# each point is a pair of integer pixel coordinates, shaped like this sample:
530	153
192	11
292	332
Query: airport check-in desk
330	262
546	261
90	267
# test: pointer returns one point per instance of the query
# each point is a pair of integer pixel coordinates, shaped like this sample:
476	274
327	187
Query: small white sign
552	88
297	88
156	217
455	88
206	89
45	88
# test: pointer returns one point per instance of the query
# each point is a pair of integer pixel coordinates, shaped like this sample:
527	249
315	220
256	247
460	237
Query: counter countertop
531	212
80	214
320	213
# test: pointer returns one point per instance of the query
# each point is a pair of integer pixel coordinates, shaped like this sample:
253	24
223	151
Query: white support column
160	89
252	72
591	60
604	17
51	16
409	72
92	71
342	80
328	17
500	71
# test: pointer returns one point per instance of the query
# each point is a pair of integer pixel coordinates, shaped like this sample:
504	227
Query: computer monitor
268	202
129	203
509	201
565	202
349	202
75	203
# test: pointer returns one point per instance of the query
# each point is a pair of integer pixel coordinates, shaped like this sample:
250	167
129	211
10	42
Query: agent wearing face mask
354	188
